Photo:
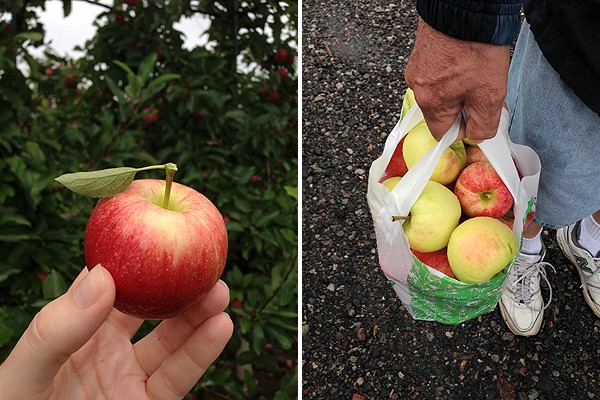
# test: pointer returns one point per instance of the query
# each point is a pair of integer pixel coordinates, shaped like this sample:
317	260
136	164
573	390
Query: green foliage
226	114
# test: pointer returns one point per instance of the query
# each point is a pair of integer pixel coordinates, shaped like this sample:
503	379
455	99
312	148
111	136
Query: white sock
532	245
589	237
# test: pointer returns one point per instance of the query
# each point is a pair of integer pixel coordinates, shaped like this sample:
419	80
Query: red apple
42	275
71	81
281	56
397	165
237	303
474	153
529	219
282	72
274	96
481	191
162	260
436	259
150	114
132	3
121	19
289	60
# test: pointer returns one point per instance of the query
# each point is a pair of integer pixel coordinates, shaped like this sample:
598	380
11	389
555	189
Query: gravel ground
358	341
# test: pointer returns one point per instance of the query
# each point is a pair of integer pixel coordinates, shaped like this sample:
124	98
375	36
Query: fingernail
90	289
224	284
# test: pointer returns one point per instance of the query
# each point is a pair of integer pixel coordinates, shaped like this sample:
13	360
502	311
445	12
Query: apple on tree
150	114
482	192
433	216
165	244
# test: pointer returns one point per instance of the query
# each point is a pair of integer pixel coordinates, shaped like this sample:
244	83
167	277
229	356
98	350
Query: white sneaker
587	266
521	304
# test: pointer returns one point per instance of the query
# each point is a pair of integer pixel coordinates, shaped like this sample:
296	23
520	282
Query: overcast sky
59	30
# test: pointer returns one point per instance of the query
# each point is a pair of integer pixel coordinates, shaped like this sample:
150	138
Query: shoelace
596	271
524	273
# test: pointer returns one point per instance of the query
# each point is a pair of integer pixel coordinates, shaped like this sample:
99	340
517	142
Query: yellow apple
470	142
418	142
479	248
432	217
408	101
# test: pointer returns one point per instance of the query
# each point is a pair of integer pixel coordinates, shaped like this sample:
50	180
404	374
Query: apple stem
399	218
170	169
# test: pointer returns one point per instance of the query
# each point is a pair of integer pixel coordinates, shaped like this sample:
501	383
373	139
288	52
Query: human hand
447	74
79	347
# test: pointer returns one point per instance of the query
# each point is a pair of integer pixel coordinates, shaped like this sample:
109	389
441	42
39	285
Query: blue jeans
548	117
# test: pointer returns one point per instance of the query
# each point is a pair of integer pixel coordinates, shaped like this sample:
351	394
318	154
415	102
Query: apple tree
225	112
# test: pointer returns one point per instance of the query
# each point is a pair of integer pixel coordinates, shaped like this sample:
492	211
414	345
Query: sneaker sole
563	240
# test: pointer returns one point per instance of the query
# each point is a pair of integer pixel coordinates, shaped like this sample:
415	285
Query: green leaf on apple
103	183
106	182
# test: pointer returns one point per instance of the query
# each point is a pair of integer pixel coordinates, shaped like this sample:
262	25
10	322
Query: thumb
60	329
439	121
483	122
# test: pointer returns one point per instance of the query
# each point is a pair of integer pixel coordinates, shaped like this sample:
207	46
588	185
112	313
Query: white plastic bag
427	293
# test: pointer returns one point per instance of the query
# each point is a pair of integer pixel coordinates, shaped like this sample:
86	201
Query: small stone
331	287
318	98
360	381
361	334
304	329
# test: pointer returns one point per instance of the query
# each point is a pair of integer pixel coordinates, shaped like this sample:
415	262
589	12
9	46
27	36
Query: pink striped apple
482	192
163	256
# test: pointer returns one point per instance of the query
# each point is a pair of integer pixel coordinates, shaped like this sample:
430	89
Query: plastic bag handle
408	190
496	149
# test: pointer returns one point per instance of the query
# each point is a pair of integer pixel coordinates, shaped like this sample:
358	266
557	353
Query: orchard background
226	114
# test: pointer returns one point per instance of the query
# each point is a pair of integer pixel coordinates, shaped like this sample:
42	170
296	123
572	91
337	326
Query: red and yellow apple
161	259
418	142
474	153
481	247
432	218
436	259
482	192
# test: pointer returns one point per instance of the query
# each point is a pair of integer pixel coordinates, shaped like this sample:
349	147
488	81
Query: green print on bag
449	301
